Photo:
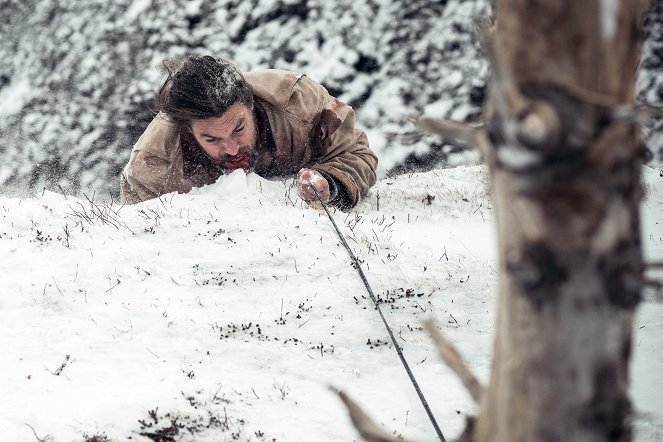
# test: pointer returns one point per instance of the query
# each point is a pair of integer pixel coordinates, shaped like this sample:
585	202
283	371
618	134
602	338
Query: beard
245	156
244	159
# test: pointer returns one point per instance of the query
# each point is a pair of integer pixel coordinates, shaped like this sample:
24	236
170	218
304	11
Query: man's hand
306	180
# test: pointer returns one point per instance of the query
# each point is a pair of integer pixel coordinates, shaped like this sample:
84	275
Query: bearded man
212	119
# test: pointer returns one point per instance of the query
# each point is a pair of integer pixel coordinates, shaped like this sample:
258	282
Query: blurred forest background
77	77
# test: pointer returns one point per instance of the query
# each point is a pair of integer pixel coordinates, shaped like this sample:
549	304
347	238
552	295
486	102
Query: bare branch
368	430
653	283
643	114
453	132
409	137
454	360
627	113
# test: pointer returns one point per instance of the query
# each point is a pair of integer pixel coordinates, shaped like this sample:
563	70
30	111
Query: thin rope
355	264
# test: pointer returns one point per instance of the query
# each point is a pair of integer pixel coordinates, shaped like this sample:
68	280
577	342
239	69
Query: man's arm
155	166
146	177
341	151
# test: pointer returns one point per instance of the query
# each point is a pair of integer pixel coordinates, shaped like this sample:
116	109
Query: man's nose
231	148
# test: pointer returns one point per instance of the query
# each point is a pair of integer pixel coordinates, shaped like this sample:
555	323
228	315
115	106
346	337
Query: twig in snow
454	360
61	368
45	439
153	354
65	228
56	286
64	194
111	284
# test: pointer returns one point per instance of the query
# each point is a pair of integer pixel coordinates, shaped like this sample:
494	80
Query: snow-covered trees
79	76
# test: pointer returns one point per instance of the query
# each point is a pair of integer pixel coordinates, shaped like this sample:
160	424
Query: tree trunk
564	156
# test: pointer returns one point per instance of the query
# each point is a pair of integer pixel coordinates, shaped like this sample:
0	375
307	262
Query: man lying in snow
212	119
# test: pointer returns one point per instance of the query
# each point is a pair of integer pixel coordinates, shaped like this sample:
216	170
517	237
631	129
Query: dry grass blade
368	430
105	213
454	360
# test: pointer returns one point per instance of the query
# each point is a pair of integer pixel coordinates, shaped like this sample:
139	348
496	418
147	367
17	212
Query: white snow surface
231	310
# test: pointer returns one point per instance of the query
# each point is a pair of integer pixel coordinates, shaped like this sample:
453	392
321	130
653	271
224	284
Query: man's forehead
233	116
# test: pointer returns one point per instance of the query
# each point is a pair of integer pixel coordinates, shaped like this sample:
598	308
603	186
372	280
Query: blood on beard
240	161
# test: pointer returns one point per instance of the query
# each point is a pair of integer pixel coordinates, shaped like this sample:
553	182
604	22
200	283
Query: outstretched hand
307	179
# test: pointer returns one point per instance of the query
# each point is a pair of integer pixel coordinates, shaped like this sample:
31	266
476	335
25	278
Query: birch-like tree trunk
564	157
562	143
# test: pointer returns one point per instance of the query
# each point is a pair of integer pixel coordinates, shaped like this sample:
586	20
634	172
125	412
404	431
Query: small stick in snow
56	286
61	368
153	354
45	439
454	360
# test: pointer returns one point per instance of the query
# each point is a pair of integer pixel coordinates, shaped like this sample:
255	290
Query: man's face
229	140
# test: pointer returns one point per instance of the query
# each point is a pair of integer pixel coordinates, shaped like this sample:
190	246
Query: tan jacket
299	125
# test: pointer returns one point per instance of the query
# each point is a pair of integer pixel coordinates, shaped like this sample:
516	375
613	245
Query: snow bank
230	310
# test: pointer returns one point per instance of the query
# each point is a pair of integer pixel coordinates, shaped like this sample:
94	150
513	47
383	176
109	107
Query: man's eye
239	129
210	140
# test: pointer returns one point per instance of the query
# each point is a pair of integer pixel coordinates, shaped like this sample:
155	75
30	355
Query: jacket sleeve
341	151
155	166
146	177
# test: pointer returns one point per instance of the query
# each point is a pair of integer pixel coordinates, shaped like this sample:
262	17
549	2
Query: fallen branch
454	360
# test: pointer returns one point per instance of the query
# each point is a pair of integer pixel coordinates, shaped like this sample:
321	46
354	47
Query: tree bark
565	171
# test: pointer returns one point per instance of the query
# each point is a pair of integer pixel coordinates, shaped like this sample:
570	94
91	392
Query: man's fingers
308	180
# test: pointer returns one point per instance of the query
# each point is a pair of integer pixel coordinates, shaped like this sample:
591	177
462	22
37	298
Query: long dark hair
199	88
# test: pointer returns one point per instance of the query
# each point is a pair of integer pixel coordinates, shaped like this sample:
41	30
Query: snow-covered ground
226	313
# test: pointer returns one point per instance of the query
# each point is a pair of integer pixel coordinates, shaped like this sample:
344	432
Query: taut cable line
355	264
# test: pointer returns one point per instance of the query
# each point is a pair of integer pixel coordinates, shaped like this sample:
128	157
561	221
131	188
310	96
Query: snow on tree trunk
564	156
